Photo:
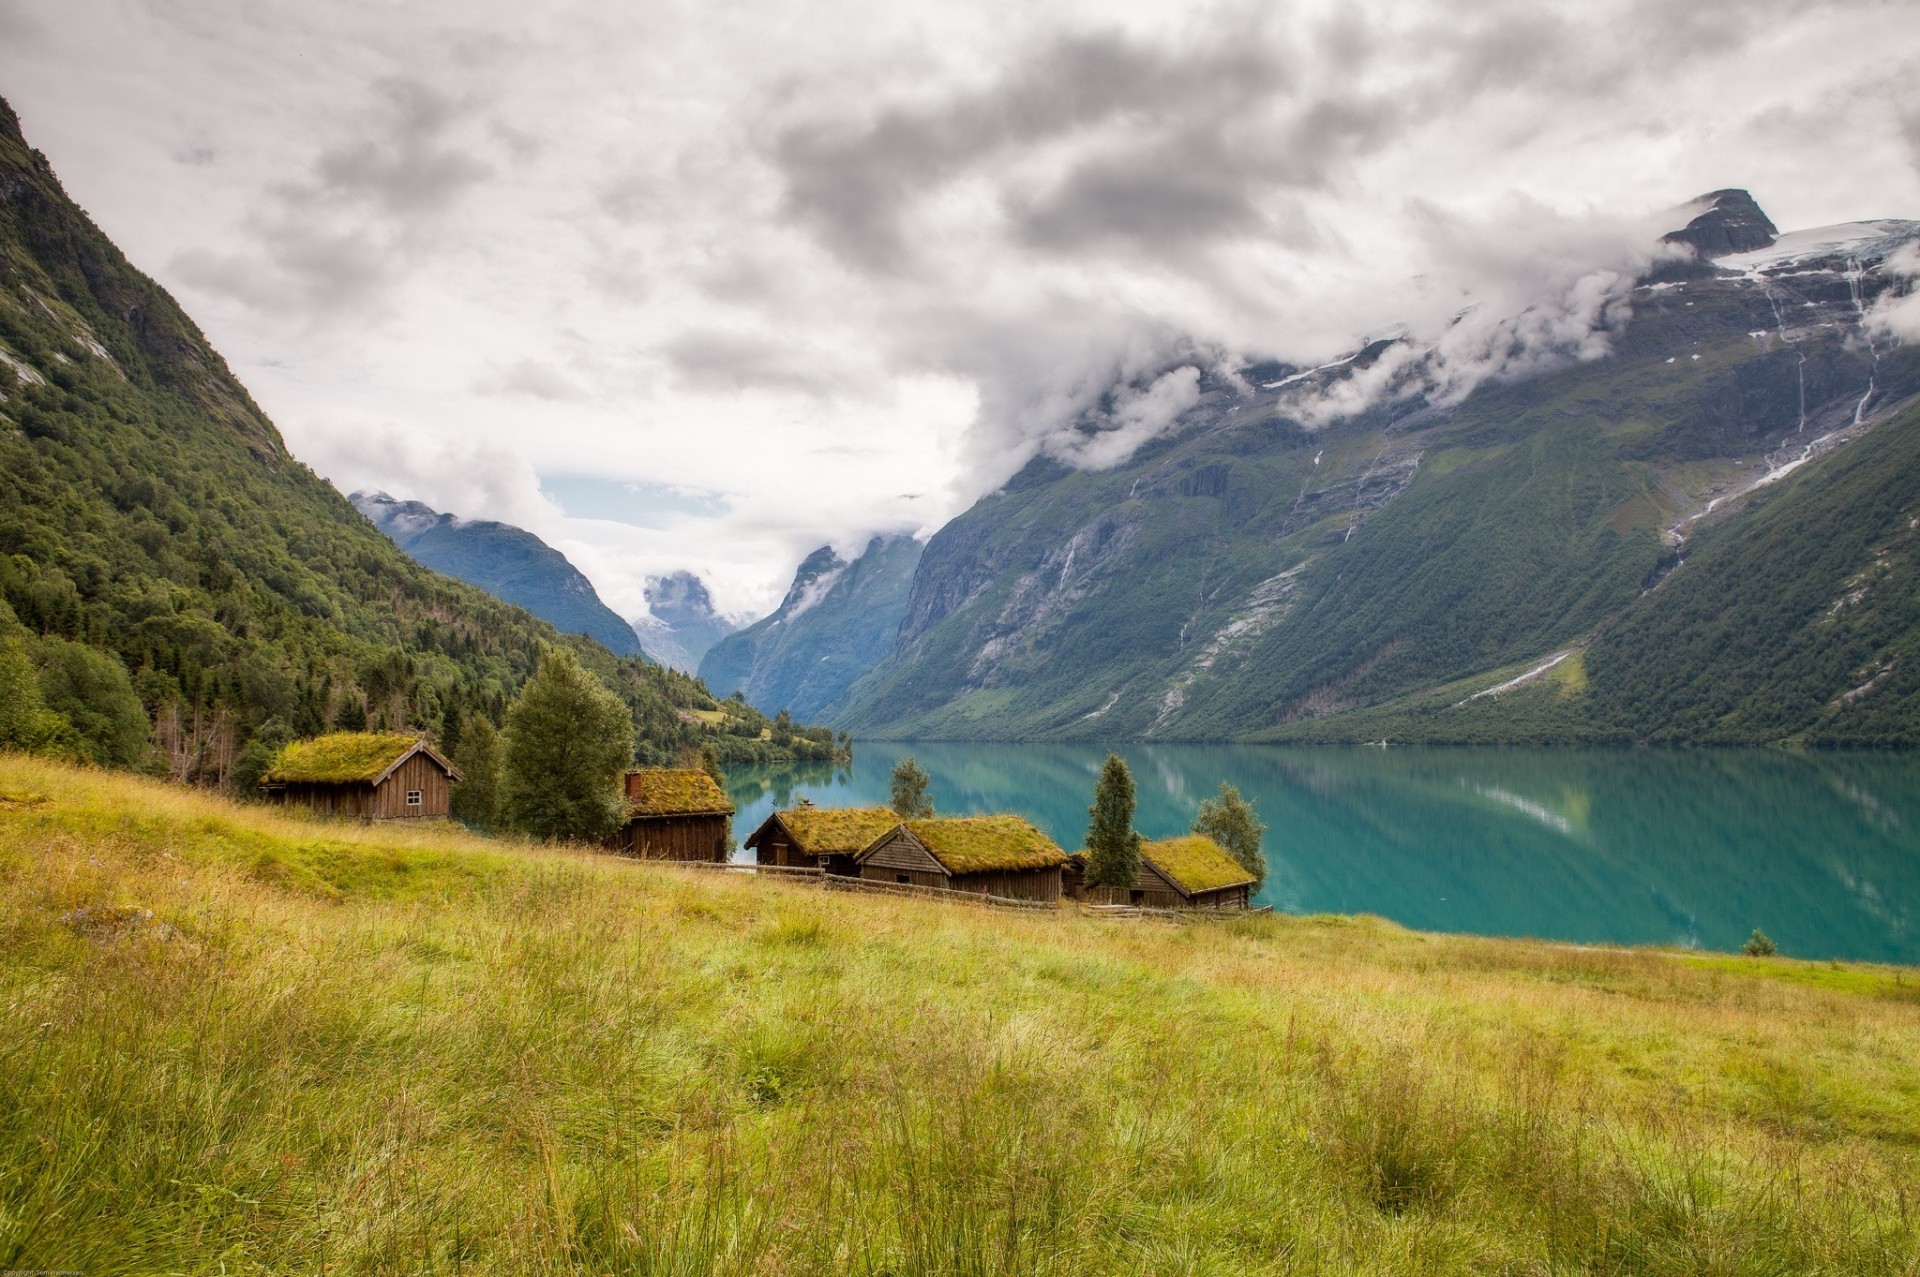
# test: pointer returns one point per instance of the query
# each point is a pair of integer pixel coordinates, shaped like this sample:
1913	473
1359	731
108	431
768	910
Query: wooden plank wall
674	838
1020	884
419	772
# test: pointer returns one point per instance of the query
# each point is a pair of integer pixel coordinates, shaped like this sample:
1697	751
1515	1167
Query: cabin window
902	878
413	798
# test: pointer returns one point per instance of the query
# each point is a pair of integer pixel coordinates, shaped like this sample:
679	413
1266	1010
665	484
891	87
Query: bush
1760	945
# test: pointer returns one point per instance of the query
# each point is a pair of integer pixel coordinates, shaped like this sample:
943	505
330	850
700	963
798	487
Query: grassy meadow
233	1041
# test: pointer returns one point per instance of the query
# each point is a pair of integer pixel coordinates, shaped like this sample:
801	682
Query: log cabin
674	813
1190	872
827	838
363	775
993	855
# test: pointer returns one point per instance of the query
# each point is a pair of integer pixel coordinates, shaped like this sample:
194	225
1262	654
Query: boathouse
828	838
1190	872
364	775
993	855
674	813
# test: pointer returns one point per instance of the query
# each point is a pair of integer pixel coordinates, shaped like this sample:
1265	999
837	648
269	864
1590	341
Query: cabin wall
351	800
911	877
1017	884
419	772
673	838
900	851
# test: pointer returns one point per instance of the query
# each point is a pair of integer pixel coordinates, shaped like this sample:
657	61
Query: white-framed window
413	798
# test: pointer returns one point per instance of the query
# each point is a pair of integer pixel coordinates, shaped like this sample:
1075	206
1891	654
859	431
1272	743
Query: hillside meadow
233	1041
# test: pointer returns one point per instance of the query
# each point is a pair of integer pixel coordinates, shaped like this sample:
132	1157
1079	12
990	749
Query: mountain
1696	536
681	624
838	620
179	590
507	562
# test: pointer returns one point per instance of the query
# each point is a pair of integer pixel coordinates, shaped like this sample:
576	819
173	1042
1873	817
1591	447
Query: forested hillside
174	585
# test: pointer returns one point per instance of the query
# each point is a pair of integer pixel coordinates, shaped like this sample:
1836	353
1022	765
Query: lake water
1689	848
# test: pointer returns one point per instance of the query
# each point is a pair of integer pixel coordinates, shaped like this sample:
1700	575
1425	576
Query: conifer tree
1230	821
569	740
1113	848
910	780
476	798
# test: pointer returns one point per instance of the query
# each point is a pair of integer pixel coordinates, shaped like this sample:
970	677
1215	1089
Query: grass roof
341	758
1196	863
675	791
978	844
825	831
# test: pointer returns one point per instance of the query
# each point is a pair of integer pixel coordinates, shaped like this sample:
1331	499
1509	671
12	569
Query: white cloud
848	266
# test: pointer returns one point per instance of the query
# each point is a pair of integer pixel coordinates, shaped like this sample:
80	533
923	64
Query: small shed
674	813
993	855
366	775
828	838
1190	872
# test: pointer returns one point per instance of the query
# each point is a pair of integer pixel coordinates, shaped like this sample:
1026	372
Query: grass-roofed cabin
366	775
1192	872
829	838
993	855
674	813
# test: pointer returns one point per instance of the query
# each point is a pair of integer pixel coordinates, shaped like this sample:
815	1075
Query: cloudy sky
705	286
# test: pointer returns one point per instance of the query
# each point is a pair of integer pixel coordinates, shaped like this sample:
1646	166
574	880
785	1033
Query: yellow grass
236	1041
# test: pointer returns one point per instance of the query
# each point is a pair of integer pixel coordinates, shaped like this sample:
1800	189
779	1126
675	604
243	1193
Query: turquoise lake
1627	846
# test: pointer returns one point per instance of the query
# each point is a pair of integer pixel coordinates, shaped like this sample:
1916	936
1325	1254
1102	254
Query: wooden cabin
829	838
993	855
1190	872
364	775
674	813
1073	875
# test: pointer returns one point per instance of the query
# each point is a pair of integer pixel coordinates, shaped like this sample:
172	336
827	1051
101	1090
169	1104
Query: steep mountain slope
507	562
837	621
183	585
1257	572
682	624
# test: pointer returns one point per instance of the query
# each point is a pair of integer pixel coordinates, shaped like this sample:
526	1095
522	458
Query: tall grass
237	1041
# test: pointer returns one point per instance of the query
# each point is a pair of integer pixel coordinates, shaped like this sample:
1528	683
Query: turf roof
1196	863
675	791
341	758
980	844
825	831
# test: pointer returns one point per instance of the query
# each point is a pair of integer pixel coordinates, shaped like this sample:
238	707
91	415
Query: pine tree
476	798
1113	848
910	781
569	740
1230	821
710	763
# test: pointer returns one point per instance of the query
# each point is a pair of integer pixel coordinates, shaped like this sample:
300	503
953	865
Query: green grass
234	1041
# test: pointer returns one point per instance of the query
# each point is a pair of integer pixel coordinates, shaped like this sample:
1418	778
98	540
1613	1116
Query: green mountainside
507	562
182	586
1252	577
837	621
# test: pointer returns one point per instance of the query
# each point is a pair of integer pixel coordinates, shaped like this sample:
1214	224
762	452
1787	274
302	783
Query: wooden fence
839	882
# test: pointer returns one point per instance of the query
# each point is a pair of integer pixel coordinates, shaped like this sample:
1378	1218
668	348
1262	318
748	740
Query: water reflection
1627	846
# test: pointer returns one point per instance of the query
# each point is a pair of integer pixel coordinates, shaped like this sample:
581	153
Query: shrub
1760	945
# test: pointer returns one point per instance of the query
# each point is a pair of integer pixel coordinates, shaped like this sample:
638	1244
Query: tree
476	799
23	713
710	763
782	734
1230	821
1113	848
910	781
569	740
1760	945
